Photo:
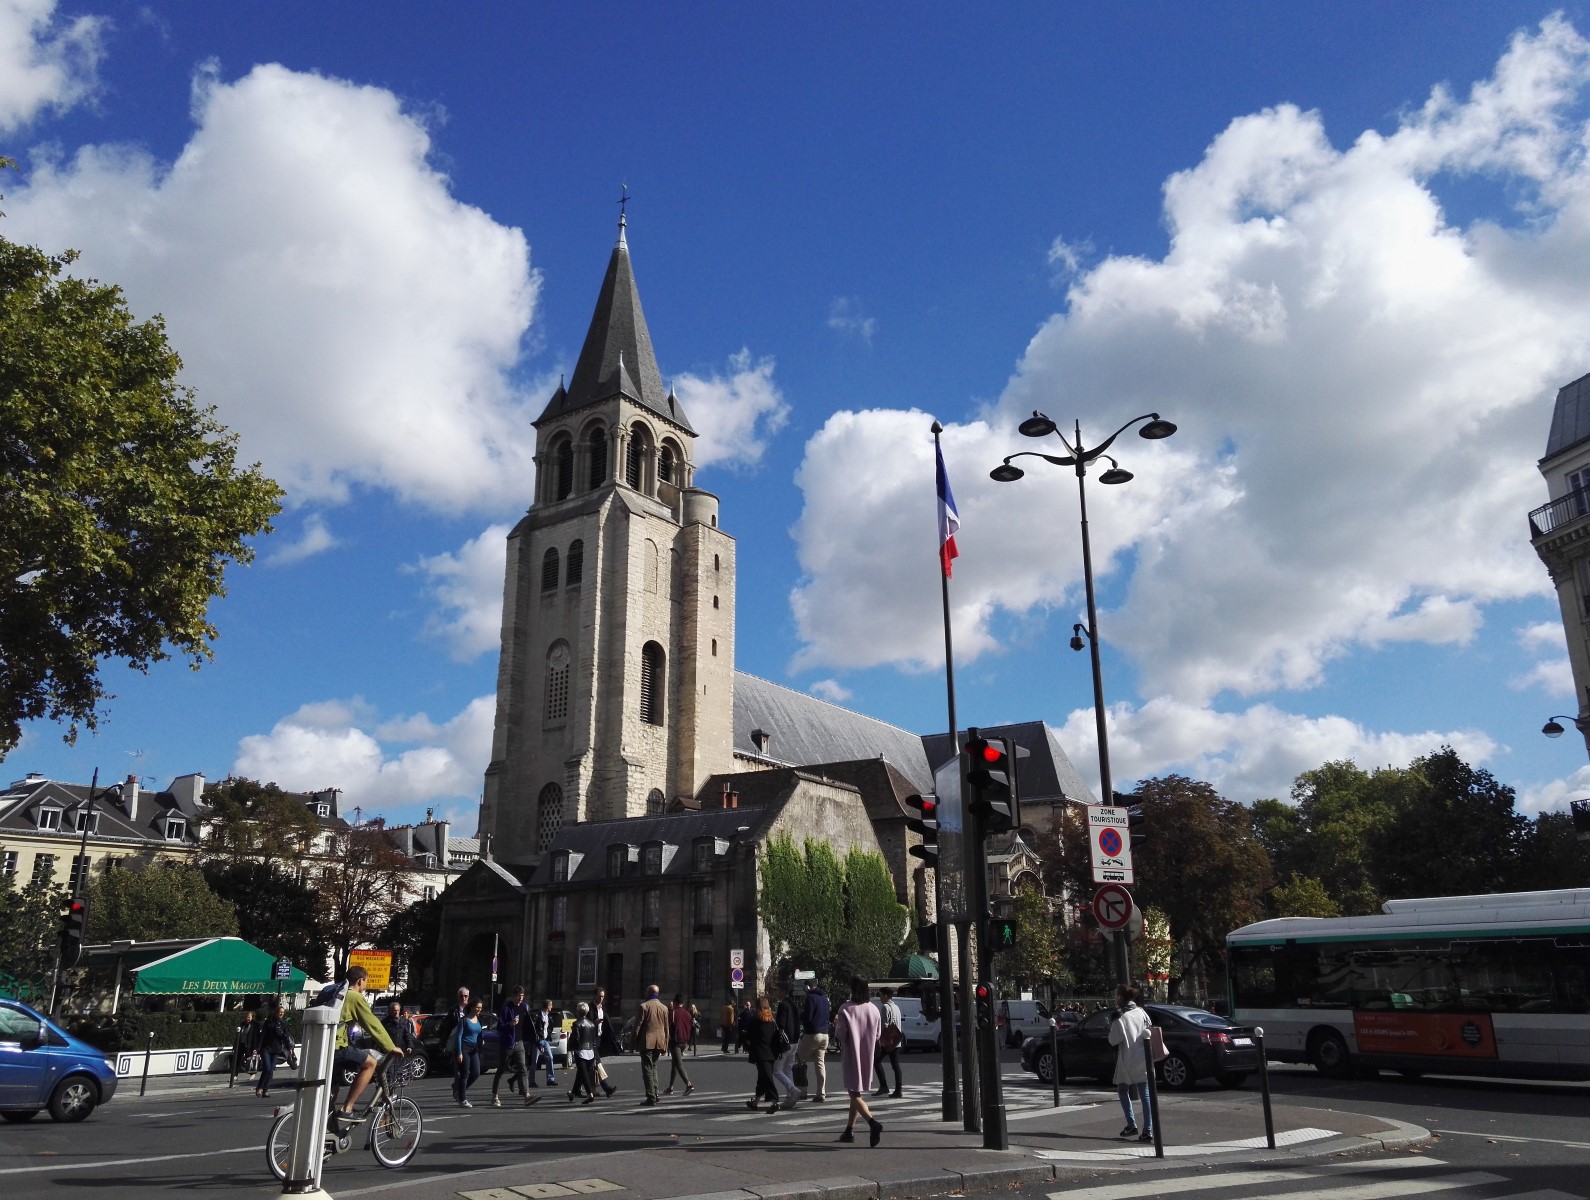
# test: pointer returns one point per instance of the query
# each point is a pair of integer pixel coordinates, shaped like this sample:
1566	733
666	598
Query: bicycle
392	1122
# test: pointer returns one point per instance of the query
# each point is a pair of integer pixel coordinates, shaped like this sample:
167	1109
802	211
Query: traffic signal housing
991	778
928	826
1136	826
1002	934
73	917
983	994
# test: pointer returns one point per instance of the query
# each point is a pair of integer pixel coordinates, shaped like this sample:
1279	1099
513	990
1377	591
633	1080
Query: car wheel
1231	1079
1328	1052
17	1116
1177	1072
74	1098
1050	1070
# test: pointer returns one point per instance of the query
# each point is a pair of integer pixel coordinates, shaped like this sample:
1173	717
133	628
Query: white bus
1455	985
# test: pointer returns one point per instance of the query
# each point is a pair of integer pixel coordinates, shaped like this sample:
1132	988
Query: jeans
1139	1092
267	1070
513	1065
466	1069
782	1077
544	1054
814	1049
648	1071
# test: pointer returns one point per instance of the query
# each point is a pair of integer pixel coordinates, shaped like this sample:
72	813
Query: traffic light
991	778
984	995
73	916
928	826
1135	826
1002	934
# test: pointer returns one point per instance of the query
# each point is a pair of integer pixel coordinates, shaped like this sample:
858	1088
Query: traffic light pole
980	1017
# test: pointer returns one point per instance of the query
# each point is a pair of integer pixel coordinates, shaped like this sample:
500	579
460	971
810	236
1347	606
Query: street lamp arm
1088	456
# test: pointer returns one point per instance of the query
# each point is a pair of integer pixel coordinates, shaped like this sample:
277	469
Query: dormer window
426	861
85	822
49	819
322	809
702	857
176	829
615	860
560	867
651	859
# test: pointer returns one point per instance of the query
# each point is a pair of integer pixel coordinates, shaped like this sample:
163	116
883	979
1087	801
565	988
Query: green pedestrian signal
1003	934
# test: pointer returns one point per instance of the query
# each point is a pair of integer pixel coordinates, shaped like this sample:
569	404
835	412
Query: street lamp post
1078	457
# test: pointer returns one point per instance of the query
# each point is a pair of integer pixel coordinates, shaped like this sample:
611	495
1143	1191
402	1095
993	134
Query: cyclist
355	1008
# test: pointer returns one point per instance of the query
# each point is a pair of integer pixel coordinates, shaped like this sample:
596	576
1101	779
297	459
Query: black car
1201	1045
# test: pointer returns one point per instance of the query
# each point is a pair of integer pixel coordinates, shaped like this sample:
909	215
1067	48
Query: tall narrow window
555	976
651	912
665	464
701	907
634	466
652	678
701	974
648	968
1579	488
560	914
649	567
549	570
656	803
549	816
43	868
596	453
565	469
557	698
574	565
8	863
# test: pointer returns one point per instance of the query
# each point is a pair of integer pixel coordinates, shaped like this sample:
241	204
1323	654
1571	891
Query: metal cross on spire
623	200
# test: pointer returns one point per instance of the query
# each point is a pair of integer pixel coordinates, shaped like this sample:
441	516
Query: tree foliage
1036	956
360	887
29	922
875	921
275	911
1302	896
250	821
156	900
412	934
121	501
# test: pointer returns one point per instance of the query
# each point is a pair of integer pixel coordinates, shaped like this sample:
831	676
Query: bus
1453	985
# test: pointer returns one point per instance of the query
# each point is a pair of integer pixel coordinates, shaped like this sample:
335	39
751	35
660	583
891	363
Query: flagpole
951	1098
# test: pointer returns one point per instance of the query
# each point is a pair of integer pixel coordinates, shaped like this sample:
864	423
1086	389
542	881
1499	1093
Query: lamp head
1005	473
1076	637
1036	425
1551	729
1156	429
1116	474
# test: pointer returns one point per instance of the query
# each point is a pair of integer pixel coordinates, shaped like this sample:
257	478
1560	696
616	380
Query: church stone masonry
615	689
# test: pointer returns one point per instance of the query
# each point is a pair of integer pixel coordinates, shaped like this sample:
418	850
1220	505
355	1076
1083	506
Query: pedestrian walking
764	1041
245	1047
400	1028
466	1052
543	1028
788	1018
513	1026
890	1039
606	1038
583	1039
1127	1031
857	1029
681	1033
742	1024
727	1028
816	1017
695	1026
275	1045
651	1035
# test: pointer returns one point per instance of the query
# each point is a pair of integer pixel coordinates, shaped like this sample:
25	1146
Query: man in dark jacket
513	1027
814	1038
401	1027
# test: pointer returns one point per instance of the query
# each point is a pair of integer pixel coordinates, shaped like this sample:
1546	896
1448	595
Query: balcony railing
1562	511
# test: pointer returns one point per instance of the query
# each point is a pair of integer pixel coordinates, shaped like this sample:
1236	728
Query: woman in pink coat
857	1027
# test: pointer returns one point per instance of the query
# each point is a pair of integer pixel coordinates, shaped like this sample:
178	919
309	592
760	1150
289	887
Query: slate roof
617	356
806	730
21	802
1570	419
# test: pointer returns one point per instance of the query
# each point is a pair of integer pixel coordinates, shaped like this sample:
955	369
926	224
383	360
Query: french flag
949	519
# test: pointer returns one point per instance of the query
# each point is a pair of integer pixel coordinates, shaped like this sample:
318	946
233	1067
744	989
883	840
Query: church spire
617	357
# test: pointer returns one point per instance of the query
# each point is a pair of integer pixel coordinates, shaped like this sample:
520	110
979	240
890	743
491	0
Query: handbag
889	1039
799	1075
781	1042
1156	1042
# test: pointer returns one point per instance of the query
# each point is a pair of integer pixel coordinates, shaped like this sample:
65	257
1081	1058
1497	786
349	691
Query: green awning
918	966
220	967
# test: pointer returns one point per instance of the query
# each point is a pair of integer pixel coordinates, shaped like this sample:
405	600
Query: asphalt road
1495	1139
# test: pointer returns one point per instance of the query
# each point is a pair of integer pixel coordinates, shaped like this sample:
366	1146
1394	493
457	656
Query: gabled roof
1570	419
617	357
803	729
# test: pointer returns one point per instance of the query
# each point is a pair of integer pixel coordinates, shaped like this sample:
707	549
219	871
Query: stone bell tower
615	686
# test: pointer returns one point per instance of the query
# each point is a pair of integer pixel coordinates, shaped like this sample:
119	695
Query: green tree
1550	855
1036	957
412	934
1338	814
875	922
157	900
275	911
29	926
360	886
121	501
801	900
250	821
1302	896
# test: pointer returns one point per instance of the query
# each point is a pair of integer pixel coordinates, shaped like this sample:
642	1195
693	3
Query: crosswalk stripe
1239	1179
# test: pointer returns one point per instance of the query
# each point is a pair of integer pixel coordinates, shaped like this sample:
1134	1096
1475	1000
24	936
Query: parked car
43	1066
1021	1019
1201	1045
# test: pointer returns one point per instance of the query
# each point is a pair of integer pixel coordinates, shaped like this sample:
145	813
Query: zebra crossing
1377	1179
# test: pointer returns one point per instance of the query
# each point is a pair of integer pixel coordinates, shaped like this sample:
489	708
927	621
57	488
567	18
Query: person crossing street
513	1026
651	1032
681	1037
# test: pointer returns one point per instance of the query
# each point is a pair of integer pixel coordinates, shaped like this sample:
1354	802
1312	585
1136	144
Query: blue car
43	1066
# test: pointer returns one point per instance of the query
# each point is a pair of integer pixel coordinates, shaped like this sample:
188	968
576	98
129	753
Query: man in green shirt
355	1008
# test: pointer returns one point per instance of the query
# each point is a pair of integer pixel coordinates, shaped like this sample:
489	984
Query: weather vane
623	199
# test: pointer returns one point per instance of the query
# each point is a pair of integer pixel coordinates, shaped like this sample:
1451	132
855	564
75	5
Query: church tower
615	686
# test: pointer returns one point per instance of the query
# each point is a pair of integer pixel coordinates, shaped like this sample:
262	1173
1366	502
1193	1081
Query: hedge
172	1030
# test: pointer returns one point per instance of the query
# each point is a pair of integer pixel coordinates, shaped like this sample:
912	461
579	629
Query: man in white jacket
1127	1032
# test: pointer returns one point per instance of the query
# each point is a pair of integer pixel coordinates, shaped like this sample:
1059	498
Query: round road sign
737	975
1112	906
1110	842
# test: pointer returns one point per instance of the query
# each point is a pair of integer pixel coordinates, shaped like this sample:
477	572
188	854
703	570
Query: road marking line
1237	1179
257	1148
1291	1137
1499	1137
1378	1190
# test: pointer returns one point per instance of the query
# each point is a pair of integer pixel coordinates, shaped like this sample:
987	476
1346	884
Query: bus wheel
1328	1052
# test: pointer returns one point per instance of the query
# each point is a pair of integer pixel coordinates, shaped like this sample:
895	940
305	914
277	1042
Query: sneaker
466	1104
1129	1131
530	1101
819	1099
496	1101
1146	1137
689	1087
590	1100
751	1104
668	1091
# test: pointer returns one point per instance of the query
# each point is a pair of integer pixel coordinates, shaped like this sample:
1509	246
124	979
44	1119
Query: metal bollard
1054	1058
148	1050
237	1041
1264	1087
306	1152
1152	1102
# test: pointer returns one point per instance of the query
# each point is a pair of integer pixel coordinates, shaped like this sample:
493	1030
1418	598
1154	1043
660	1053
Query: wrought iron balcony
1564	510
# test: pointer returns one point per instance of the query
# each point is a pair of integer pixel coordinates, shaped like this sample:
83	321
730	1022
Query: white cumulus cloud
467	588
50	63
734	413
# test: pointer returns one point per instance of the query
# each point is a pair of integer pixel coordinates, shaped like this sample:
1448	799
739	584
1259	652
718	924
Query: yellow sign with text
378	963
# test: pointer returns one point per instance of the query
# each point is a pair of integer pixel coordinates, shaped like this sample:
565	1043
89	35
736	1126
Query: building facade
1560	531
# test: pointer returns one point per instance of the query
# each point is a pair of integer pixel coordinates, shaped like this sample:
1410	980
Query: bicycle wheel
278	1146
395	1131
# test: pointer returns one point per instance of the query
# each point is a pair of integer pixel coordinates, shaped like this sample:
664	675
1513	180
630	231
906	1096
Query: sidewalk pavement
925	1156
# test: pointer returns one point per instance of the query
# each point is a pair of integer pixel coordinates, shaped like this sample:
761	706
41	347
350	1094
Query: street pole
973	1121
949	1101
990	1091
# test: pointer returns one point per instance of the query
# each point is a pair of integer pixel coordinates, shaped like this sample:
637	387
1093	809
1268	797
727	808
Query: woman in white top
1127	1032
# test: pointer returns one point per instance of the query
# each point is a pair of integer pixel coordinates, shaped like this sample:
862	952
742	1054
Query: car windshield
1198	1016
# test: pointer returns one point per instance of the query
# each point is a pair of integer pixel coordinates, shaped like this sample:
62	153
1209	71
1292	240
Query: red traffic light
984	992
992	753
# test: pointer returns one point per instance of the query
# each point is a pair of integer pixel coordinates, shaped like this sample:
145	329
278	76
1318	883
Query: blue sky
1340	245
